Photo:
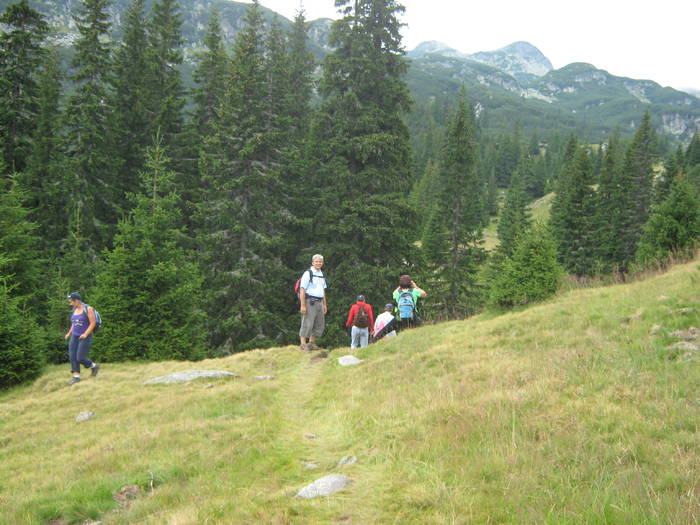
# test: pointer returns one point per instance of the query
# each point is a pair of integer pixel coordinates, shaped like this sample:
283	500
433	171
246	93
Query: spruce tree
91	156
300	77
21	53
607	211
672	169
43	177
21	343
362	174
691	161
636	185
243	212
166	100
210	78
530	274
149	288
131	85
575	208
21	263
673	227
459	208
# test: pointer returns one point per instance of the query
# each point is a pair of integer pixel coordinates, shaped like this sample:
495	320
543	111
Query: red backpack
361	319
296	285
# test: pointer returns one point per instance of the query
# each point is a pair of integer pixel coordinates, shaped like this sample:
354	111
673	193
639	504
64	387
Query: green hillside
573	411
539	212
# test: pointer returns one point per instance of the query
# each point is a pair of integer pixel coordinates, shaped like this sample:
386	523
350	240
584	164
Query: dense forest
186	215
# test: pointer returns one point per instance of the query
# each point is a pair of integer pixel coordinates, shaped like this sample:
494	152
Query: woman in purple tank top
83	323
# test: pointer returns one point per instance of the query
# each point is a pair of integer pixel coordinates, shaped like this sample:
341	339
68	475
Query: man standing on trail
312	296
361	319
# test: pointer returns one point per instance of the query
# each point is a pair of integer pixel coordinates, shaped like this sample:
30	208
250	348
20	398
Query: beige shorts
313	322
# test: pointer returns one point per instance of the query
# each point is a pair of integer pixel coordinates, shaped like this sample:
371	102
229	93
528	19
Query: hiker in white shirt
313	309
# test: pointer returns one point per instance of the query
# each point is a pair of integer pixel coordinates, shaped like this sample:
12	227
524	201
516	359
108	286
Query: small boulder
189	375
263	378
324	486
310	436
346	461
84	416
349	360
690	334
125	495
684	345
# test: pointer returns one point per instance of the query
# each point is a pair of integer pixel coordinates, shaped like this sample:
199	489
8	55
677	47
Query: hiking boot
73	381
94	370
305	347
314	346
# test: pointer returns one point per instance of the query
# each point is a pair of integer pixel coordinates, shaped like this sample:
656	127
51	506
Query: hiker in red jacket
362	321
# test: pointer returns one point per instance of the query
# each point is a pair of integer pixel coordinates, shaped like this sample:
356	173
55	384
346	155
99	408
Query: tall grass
572	411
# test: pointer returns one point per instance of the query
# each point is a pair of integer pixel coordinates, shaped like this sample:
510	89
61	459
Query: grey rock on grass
684	345
688	335
324	486
84	416
189	375
264	378
349	360
346	461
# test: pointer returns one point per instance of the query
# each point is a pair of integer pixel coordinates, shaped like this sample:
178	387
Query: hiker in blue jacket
83	323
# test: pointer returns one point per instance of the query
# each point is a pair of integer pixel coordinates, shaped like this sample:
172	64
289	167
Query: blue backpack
406	305
98	318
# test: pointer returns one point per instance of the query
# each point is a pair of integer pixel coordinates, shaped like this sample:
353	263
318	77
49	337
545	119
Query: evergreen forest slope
572	411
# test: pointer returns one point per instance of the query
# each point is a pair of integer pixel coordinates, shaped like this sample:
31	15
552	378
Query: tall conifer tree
242	216
166	99
636	185
46	196
131	85
358	199
20	264
149	287
607	210
210	77
459	209
574	233
21	52
89	145
673	227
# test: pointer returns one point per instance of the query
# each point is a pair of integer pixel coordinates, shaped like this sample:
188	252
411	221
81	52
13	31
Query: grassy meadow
568	412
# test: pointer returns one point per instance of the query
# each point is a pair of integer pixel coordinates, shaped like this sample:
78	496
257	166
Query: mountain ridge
520	72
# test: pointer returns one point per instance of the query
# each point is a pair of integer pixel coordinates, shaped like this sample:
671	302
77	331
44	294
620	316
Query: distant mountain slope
514	83
578	96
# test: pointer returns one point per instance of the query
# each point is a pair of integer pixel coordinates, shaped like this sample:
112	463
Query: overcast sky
658	41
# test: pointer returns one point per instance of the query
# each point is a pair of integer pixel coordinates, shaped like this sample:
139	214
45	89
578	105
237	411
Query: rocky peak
433	47
519	58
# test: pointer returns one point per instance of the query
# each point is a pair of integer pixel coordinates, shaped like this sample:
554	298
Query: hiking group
311	289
